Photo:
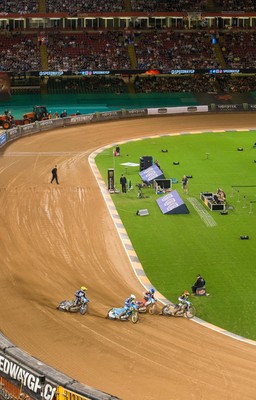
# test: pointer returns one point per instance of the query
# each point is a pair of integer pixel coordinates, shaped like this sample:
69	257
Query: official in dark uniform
55	175
123	183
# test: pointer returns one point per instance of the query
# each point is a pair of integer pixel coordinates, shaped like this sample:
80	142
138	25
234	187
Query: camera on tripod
139	194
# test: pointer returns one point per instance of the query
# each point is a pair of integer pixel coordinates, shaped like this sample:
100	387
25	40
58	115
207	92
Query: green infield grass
173	249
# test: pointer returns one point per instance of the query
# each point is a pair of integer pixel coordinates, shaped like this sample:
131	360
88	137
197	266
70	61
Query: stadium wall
24	130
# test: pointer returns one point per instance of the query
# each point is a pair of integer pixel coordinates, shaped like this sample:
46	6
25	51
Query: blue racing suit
80	295
128	303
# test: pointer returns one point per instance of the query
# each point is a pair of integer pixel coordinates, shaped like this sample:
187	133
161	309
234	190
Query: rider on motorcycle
147	296
129	302
80	295
182	301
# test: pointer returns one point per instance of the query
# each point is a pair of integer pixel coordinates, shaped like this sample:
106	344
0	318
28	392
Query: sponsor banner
169	202
3	138
148	175
135	113
192	109
104	116
64	394
29	128
14	132
58	122
47	124
34	384
111	179
172	203
229	107
252	107
177	110
80	119
118	72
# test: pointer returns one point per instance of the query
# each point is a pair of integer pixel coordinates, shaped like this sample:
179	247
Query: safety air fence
23	130
21	375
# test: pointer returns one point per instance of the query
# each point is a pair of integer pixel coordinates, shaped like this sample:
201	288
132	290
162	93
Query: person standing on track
55	175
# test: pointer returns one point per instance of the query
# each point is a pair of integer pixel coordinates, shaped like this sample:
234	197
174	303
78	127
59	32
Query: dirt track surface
56	238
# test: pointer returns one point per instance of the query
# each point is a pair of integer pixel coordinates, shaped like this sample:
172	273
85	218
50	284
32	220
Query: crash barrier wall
23	130
36	379
232	107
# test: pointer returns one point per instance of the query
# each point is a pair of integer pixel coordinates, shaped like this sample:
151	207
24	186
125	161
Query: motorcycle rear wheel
83	310
165	310
152	309
135	317
191	312
110	314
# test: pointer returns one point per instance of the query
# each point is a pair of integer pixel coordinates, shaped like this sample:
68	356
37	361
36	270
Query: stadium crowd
146	6
73	7
204	83
181	84
238	5
238	48
236	84
100	50
167	6
19	6
176	50
106	49
19	53
96	84
143	48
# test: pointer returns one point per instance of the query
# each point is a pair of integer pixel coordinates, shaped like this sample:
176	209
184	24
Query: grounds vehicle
6	120
131	314
187	310
150	307
71	306
39	113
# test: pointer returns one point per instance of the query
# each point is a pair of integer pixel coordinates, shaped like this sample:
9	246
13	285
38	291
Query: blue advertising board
3	138
172	203
148	175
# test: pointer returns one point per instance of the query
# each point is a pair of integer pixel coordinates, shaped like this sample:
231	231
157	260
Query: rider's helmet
83	288
133	296
152	291
186	293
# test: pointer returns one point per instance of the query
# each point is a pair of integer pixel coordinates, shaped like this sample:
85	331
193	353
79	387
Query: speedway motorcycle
187	310
73	307
150	307
131	314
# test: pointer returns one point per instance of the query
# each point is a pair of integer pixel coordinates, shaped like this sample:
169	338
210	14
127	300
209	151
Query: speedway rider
129	302
147	298
148	295
80	295
182	301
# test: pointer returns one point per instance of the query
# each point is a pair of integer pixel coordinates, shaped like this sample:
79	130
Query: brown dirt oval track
54	239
